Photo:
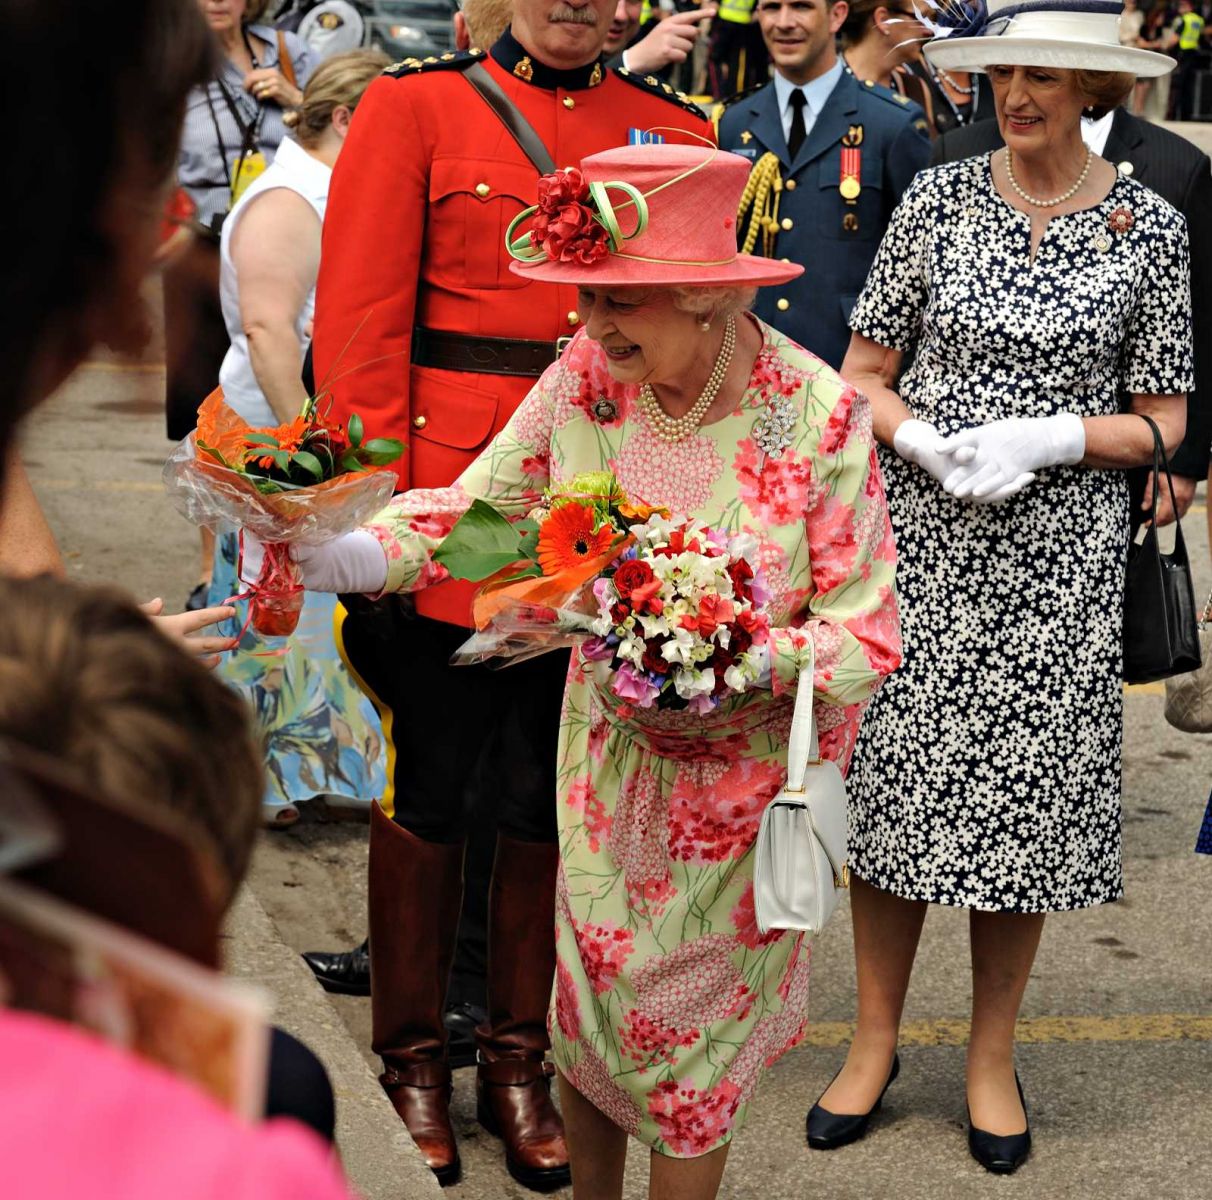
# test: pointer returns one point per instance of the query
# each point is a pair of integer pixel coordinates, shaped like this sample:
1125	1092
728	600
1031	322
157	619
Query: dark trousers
297	1085
195	337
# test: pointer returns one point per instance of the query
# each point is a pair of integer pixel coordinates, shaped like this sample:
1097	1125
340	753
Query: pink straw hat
642	215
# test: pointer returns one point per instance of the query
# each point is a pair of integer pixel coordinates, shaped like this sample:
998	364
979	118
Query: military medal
746	138
851	182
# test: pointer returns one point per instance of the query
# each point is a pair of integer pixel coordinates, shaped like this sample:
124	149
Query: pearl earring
705	326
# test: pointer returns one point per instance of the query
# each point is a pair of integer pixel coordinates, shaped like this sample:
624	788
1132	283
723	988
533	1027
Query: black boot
346	972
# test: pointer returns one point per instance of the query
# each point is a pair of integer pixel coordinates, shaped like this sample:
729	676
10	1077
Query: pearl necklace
676	429
949	80
1056	199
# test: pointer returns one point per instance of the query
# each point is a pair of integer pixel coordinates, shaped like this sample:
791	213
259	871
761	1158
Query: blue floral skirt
321	735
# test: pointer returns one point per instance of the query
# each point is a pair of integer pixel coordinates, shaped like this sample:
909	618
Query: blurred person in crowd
956	97
657	948
1151	97
320	734
736	57
1014	298
416	297
481	22
85	229
233	125
1179	172
328	27
1186	42
878	41
663	42
832	157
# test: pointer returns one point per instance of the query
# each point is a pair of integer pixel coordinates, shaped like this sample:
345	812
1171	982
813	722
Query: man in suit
832	158
1182	175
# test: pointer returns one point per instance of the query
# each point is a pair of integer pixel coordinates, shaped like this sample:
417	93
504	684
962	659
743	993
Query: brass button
786	260
482	190
569	102
419	422
783	305
574	318
787	222
790	185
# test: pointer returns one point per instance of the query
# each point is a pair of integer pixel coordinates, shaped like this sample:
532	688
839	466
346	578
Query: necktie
799	130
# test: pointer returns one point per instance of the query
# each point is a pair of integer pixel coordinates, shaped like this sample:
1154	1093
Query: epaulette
721	106
887	94
650	83
458	60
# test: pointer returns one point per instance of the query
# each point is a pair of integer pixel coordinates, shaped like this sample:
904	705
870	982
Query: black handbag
1161	634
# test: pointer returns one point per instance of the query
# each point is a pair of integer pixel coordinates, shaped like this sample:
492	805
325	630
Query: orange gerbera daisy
567	538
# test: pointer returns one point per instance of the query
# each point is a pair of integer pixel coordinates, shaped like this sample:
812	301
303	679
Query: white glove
917	442
354	562
998	459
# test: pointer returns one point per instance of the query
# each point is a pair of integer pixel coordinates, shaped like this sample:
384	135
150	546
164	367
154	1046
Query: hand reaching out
181	626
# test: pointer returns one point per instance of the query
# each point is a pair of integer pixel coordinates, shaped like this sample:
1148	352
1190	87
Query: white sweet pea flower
690	683
680	648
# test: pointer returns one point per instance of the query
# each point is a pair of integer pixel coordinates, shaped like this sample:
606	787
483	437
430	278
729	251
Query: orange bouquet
308	481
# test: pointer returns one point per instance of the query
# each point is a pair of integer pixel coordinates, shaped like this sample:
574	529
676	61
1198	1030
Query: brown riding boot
513	1084
415	893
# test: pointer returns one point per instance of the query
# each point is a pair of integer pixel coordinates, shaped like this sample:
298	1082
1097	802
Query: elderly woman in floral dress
669	1003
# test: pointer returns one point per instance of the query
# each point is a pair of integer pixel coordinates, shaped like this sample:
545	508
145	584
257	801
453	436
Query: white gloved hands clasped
354	562
917	442
994	461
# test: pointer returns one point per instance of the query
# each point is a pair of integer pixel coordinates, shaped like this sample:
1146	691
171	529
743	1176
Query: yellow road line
101	485
122	368
1144	689
953	1031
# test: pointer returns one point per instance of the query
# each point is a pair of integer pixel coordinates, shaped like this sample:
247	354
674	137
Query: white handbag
799	862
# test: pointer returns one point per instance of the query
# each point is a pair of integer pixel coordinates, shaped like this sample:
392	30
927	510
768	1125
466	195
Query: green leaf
281	460
309	462
261	439
381	451
351	462
355	430
482	543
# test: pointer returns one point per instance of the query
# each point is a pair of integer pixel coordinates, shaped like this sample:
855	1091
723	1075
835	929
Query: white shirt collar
816	92
1095	133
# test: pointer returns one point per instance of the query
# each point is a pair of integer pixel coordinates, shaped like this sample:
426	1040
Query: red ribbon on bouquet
276	598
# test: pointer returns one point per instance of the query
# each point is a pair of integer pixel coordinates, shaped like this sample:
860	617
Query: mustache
566	14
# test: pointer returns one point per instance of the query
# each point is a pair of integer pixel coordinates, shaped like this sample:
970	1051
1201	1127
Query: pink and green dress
669	1003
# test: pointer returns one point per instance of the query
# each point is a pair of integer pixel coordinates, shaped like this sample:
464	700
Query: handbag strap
1160	463
803	750
285	65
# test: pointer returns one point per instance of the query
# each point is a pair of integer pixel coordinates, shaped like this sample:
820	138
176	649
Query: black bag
1161	635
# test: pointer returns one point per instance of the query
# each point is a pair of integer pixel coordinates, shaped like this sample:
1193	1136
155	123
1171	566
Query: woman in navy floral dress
1021	294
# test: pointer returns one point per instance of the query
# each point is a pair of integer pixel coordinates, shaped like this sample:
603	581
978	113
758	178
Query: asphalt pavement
1116	1037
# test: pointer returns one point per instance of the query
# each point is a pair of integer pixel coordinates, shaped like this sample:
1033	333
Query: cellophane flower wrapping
220	498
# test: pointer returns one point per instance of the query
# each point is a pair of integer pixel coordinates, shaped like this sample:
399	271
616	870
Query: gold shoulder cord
760	200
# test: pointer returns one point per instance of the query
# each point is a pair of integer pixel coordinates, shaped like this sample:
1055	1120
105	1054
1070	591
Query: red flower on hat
566	227
1121	220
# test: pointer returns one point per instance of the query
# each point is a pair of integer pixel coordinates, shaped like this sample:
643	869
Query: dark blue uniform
832	227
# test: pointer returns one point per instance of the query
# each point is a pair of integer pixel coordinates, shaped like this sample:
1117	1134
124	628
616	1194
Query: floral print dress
668	1001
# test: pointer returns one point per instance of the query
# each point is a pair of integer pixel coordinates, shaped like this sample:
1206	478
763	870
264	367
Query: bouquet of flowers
307	481
674	607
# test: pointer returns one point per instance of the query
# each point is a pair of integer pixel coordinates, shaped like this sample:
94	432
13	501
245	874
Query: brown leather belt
483	355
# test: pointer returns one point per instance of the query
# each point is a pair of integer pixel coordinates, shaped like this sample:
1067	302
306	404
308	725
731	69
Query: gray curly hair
713	302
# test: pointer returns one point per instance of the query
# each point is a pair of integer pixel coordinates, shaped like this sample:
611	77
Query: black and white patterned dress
987	773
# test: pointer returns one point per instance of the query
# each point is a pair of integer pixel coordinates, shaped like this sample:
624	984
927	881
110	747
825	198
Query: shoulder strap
802	748
284	63
507	112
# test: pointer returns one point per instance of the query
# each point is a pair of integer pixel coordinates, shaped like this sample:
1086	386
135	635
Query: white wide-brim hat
1070	34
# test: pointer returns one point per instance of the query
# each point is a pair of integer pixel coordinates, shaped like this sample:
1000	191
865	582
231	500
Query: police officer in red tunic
423	330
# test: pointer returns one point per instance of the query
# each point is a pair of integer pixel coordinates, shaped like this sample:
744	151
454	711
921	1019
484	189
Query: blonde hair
712	302
88	680
486	20
337	83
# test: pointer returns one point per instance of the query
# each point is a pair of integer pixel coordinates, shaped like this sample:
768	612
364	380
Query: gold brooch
595	76
524	69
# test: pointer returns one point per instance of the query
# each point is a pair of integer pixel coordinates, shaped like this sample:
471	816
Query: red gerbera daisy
568	538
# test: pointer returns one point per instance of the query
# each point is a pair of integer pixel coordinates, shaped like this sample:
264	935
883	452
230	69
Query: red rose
631	574
740	572
652	660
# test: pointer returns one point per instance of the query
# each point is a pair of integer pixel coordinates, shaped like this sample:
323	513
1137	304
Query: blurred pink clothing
80	1118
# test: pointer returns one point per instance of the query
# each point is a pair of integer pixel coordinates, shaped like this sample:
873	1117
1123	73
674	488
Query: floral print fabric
988	770
668	1003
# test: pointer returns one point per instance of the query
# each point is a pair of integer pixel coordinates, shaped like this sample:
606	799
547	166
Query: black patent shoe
1001	1155
346	972
461	1020
829	1131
